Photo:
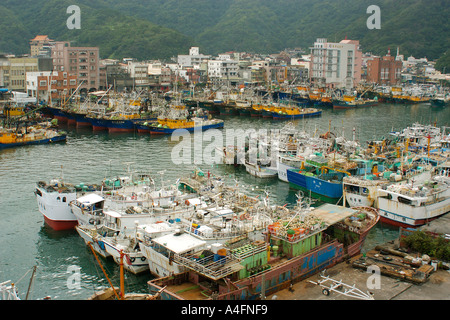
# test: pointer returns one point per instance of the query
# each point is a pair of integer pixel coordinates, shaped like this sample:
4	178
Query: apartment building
82	62
41	46
225	70
336	65
53	85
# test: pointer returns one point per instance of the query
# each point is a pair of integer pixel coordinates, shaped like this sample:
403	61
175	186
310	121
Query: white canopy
90	199
180	243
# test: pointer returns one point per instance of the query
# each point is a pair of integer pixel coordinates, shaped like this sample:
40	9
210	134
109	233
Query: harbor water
66	269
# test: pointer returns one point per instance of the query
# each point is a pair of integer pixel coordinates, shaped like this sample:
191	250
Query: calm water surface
25	240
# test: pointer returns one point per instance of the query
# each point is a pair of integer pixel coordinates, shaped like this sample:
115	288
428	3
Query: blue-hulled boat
327	185
31	135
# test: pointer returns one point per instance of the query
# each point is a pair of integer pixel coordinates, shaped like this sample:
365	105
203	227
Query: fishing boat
257	110
419	137
136	261
30	135
53	202
440	100
294	112
227	107
415	204
207	230
364	190
351	103
244	107
110	223
317	177
259	170
56	200
171	125
293	248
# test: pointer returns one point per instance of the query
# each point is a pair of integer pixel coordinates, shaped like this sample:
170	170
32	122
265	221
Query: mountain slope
151	28
418	27
116	34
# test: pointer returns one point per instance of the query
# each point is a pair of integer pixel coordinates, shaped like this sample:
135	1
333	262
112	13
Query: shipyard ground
437	287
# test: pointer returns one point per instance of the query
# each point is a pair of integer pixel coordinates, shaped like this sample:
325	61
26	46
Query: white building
223	69
139	72
32	83
336	65
194	59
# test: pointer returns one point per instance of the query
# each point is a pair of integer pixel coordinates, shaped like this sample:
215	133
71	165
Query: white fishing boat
54	198
260	171
135	261
364	190
53	202
111	230
419	137
88	209
413	205
93	236
161	250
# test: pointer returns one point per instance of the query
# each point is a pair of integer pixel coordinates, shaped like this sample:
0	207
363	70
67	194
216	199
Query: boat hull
60	138
135	262
261	171
160	130
438	103
404	215
282	169
277	116
332	191
60	225
279	278
55	208
98	245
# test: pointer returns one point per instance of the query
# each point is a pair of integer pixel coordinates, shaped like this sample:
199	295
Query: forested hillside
163	28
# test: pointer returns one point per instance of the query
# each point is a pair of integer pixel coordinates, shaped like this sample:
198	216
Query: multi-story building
41	45
82	62
19	66
4	71
384	70
53	85
194	59
336	65
117	76
225	70
139	73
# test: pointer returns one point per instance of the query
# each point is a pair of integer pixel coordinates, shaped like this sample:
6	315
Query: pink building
82	62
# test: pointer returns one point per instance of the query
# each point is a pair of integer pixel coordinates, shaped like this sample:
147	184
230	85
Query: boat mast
31	282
